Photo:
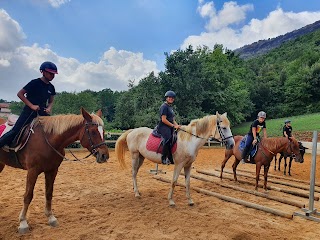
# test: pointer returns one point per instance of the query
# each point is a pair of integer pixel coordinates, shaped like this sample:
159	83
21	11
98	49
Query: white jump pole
156	170
311	212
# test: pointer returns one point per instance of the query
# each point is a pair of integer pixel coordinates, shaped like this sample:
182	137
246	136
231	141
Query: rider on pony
253	135
287	129
38	96
166	126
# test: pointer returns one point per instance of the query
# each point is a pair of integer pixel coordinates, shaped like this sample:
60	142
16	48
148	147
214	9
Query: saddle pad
4	128
153	144
253	149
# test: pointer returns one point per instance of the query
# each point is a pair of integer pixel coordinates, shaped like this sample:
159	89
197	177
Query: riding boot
245	154
170	157
165	152
7	138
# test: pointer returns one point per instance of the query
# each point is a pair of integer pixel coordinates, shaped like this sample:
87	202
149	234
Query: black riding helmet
49	67
170	94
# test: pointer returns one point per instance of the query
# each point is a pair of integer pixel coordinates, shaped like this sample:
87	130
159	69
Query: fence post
307	213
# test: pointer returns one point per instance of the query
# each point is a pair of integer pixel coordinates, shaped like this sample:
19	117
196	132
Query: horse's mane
200	125
273	142
58	124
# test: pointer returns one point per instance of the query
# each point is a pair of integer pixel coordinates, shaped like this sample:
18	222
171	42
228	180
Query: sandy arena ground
96	201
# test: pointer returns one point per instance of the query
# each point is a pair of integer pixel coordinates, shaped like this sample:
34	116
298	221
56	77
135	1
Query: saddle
21	139
253	150
155	142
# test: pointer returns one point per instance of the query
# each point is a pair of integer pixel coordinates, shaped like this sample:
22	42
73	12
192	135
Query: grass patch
302	123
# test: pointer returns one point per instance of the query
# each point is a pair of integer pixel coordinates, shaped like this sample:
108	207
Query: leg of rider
165	153
170	152
9	136
247	148
166	134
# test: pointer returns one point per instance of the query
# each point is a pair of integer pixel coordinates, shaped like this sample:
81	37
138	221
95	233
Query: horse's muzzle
298	159
101	157
229	143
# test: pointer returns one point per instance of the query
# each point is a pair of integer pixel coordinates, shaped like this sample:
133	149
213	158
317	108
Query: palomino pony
44	152
190	139
285	156
267	148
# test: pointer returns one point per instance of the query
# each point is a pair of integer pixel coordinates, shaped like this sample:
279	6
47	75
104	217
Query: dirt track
96	201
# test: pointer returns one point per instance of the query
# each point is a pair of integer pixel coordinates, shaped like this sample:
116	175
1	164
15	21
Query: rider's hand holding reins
176	126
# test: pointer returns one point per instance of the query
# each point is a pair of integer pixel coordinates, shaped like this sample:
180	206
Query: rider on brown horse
253	134
38	96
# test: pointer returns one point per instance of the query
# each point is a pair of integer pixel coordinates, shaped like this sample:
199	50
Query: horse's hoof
191	203
23	227
53	222
172	203
23	230
137	195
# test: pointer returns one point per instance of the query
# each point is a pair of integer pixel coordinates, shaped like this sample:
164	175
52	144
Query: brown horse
267	148
44	152
285	156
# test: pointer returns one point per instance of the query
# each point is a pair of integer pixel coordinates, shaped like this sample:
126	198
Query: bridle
218	127
292	154
223	138
93	147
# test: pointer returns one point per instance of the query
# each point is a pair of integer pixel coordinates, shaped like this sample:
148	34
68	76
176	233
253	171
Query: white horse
190	139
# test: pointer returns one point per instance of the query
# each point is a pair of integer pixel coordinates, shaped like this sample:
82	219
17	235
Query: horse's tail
121	147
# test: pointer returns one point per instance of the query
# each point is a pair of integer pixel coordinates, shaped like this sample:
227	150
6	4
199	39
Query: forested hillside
264	46
283	82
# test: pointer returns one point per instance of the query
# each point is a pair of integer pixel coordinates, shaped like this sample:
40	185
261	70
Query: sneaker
243	161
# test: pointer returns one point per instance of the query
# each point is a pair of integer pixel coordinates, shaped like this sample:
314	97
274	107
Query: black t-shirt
288	130
259	126
166	110
38	92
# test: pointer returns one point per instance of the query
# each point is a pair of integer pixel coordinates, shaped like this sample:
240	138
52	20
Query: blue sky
104	44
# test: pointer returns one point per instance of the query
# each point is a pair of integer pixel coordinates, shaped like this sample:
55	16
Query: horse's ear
217	113
225	114
99	113
86	115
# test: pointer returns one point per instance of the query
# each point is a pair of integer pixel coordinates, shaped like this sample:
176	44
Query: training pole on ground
157	170
311	212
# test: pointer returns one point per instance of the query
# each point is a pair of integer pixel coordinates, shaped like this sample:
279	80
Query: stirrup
166	161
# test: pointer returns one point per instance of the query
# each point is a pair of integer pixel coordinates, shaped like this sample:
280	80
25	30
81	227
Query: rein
273	152
193	134
267	149
47	141
93	147
212	138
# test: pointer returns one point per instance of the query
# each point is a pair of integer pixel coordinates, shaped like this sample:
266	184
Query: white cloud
231	13
19	64
57	3
221	25
11	34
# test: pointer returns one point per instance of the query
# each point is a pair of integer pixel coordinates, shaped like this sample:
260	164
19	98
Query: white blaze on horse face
100	129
